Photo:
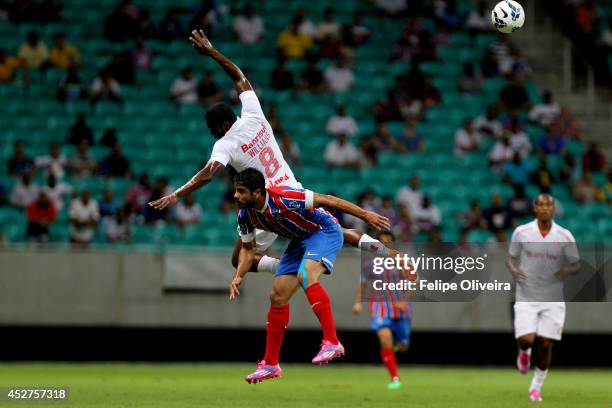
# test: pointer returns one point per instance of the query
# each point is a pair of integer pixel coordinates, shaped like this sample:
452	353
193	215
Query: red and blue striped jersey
288	212
391	304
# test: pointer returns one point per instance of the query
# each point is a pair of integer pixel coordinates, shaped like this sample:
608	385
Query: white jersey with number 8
250	143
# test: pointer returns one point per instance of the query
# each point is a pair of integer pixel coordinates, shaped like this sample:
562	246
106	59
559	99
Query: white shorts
263	240
545	319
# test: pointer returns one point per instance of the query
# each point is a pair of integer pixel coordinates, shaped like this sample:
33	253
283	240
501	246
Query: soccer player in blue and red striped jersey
390	315
316	239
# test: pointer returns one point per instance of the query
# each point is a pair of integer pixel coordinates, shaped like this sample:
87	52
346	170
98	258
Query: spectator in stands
519	141
141	56
426	216
567	124
34	52
151	215
473	218
312	77
19	163
387	108
50	11
248	27
410	139
489	66
341	123
357	33
122	69
105	88
53	163
281	78
405	47
479	20
122	24
341	153
384	140
553	142
138	194
41	214
569	173
108	205
585	190
339	78
470	82
586	16
80	131
118	227
368	153
516	172
83	164
184	89
84	215
498	217
386	208
9	66
188	212
410	195
304	24
519	203
392	8
171	27
547	112
207	17
57	191
71	87
273	118
514	96
63	54
292	43
488	126
446	13
209	91
109	138
594	159
542	177
115	164
290	149
145	27
403	227
501	152
228	202
329	28
24	192
467	140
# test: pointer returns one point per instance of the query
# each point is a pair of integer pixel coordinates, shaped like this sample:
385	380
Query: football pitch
222	385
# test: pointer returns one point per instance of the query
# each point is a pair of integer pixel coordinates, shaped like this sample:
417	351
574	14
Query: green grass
212	385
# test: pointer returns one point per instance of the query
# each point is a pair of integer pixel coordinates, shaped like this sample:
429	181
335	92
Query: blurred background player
390	316
248	142
547	254
316	239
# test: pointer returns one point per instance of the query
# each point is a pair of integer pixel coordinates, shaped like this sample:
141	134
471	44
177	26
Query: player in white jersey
541	255
248	142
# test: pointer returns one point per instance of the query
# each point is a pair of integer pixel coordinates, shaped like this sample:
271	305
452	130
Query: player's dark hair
251	179
219	113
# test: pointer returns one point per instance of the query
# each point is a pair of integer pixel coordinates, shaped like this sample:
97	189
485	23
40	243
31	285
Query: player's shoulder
524	229
564	234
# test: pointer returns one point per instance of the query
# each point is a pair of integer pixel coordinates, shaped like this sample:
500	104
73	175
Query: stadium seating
164	140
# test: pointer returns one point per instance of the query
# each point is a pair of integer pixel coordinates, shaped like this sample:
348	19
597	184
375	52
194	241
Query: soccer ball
508	16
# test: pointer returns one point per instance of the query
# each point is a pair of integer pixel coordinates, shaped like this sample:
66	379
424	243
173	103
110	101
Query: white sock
538	379
267	264
370	244
528	351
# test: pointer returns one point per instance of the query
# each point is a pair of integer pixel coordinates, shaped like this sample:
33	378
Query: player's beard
245	204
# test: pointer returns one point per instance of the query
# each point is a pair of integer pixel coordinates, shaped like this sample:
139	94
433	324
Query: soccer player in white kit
545	254
248	142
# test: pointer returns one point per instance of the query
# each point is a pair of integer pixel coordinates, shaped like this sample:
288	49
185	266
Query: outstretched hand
164	202
200	42
376	221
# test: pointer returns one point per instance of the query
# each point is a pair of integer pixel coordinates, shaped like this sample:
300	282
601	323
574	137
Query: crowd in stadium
413	93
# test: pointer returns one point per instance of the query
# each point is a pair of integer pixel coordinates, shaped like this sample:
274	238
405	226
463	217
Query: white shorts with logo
545	319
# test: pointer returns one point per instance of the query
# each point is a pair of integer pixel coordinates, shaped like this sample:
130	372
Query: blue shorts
321	246
399	327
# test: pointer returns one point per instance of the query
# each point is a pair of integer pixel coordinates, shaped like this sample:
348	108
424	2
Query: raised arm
202	44
374	220
200	179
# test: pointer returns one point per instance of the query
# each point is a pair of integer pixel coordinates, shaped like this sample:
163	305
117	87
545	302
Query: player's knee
277	297
526	342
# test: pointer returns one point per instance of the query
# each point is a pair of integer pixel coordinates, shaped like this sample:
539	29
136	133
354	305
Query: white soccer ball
508	16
